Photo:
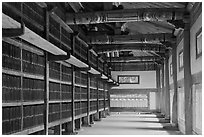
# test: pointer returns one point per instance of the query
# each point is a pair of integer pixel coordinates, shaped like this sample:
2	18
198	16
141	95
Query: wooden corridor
130	123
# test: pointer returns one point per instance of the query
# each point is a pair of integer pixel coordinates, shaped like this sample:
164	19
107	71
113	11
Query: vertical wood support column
162	90
60	125
104	101
46	92
187	76
167	92
174	68
158	100
96	116
108	100
72	128
87	123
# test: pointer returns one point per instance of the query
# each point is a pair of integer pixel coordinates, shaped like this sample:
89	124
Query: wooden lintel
52	57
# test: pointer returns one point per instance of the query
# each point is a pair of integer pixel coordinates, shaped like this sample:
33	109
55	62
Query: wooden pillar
158	100
87	123
187	77
162	90
175	88
73	89
167	92
46	92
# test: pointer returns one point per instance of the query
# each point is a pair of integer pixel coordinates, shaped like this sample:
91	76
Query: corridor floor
129	123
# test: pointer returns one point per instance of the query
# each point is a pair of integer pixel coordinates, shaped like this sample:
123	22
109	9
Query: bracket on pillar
13	32
177	23
52	57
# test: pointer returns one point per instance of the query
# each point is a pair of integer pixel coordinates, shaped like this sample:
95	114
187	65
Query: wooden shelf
33	103
101	99
76	62
30	130
68	100
92	87
79	100
55	101
102	109
92	112
5	104
61	121
32	37
80	85
23	74
100	89
80	116
84	100
106	108
59	81
92	99
11	104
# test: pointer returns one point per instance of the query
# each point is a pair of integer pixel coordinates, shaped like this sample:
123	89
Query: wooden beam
76	6
134	59
166	90
46	93
128	39
88	97
126	47
158	83
42	4
175	89
127	15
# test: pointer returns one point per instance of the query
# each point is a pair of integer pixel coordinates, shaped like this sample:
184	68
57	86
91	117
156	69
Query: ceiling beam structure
127	47
130	39
134	59
126	15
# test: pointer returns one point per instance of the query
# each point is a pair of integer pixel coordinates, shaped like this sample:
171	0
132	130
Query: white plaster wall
180	74
197	108
147	79
196	64
171	102
181	112
152	101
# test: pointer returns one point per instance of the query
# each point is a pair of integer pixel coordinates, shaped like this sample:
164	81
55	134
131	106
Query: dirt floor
130	123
